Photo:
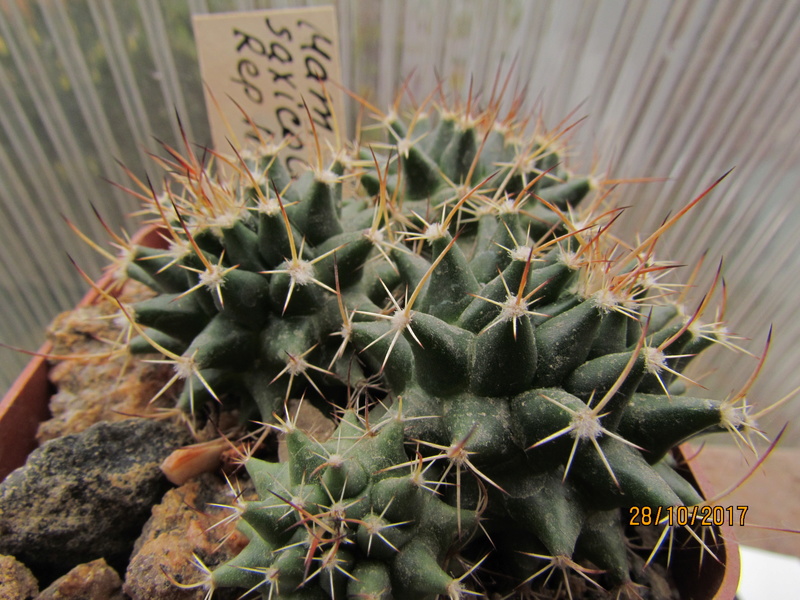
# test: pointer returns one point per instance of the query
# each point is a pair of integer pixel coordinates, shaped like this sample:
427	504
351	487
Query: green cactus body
518	392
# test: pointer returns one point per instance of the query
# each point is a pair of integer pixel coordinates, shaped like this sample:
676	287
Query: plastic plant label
274	68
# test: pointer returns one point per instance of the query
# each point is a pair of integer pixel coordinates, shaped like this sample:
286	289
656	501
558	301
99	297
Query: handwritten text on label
273	64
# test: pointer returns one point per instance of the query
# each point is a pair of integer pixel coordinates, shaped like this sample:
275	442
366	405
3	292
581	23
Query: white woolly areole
521	253
271	574
501	127
259	178
119	269
735	416
269	150
585	425
607	300
179	248
229	218
338	511
268	206
121	319
125	258
400	320
654	360
248	153
508	207
184	367
326	176
347	330
461	190
375	236
699	329
434	231
296	365
456	590
403	147
483	210
570	259
578	224
373	523
391	117
213	277
347	159
513	308
648	281
301	271
335	460
468	121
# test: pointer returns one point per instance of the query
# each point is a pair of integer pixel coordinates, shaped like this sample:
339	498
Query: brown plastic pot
710	579
26	405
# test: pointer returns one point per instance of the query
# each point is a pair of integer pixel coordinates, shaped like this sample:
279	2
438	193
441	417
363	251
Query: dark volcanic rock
85	496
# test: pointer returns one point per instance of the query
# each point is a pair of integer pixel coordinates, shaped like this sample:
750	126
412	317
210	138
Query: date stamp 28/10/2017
687	515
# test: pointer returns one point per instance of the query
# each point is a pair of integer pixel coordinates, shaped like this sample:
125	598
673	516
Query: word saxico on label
270	63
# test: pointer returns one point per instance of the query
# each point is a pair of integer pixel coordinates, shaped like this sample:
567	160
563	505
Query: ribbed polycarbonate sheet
682	90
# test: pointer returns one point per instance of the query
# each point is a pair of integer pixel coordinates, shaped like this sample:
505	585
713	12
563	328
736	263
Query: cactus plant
504	372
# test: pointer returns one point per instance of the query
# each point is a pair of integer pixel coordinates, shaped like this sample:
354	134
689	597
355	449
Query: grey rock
85	496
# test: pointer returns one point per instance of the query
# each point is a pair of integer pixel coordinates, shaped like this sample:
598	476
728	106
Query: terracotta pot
26	405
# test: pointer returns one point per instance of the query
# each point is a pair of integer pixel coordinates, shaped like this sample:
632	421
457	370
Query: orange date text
687	515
